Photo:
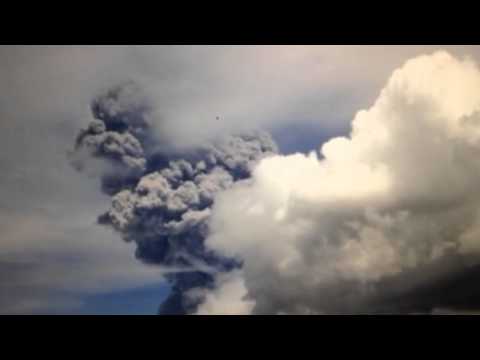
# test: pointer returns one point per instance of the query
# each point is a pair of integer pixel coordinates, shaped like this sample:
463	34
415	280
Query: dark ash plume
161	199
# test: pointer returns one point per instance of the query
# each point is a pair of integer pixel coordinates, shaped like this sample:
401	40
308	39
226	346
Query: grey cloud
164	205
123	148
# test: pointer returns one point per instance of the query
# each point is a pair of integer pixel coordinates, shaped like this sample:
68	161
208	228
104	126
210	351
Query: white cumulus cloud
330	232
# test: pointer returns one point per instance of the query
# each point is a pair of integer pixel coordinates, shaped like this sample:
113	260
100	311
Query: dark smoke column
162	200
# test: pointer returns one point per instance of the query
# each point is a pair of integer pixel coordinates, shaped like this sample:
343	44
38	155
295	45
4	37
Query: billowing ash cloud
115	145
161	199
384	220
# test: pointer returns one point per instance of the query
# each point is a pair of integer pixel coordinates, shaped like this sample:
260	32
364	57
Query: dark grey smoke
161	199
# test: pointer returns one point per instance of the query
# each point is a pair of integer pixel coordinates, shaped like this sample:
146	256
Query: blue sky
142	301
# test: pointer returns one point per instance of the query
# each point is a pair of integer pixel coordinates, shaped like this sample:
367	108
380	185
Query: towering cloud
161	199
373	219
